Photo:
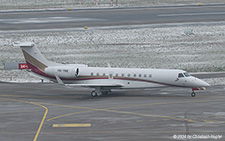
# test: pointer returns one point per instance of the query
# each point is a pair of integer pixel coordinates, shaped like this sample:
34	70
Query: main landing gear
100	91
95	93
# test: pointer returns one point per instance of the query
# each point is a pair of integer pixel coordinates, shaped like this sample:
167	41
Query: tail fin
35	60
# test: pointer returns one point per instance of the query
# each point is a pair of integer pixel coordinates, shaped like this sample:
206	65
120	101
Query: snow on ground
158	47
41	4
215	81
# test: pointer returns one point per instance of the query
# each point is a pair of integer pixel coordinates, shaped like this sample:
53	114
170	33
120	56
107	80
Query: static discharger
72	125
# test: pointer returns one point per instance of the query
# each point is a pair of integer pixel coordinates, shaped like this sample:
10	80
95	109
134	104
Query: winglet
59	80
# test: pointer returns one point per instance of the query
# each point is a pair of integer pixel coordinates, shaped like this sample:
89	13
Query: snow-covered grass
215	81
19	76
147	47
41	4
158	47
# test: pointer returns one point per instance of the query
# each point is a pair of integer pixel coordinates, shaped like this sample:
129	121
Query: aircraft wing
95	85
109	85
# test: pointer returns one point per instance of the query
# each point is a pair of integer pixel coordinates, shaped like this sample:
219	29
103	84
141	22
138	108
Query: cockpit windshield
186	74
183	75
180	75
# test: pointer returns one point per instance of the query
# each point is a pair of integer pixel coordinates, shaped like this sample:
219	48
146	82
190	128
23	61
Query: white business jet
103	80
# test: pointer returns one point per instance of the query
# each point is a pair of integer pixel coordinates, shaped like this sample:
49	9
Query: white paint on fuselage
128	77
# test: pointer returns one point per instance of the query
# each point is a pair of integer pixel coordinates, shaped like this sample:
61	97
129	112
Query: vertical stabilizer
35	60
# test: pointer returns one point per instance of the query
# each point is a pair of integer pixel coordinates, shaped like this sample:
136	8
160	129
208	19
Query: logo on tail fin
32	62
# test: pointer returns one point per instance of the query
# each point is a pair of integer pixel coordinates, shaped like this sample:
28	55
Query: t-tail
34	59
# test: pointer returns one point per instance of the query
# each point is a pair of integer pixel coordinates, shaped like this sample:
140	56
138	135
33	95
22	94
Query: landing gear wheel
193	94
93	93
99	93
105	93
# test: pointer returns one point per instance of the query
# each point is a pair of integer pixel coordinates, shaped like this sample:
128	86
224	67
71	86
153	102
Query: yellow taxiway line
33	103
42	121
131	113
69	114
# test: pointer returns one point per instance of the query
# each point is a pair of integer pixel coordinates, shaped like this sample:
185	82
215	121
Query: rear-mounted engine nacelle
62	72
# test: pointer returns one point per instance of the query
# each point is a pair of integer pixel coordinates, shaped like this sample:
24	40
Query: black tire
99	94
104	93
93	94
193	94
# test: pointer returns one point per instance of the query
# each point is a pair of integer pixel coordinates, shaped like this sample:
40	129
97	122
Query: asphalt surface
55	19
49	112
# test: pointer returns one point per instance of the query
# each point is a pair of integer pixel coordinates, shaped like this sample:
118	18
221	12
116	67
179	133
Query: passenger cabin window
145	75
139	75
92	74
180	75
128	75
134	75
117	74
97	74
122	75
103	74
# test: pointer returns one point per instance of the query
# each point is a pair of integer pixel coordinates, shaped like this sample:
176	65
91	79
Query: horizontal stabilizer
23	44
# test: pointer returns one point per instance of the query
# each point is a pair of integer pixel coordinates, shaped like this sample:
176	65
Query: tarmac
50	112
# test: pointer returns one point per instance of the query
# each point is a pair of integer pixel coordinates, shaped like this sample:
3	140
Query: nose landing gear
193	94
193	91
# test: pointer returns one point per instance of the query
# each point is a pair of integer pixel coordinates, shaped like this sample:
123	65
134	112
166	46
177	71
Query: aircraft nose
202	83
